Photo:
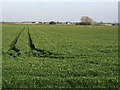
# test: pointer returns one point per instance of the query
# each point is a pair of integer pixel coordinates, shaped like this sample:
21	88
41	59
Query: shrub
85	23
52	22
77	23
113	24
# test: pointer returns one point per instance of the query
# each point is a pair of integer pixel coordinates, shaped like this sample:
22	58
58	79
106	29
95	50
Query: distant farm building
28	22
36	22
68	23
59	23
108	24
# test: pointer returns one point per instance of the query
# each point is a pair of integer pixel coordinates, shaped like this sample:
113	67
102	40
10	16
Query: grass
60	56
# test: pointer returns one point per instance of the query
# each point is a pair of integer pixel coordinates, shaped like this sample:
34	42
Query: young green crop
60	56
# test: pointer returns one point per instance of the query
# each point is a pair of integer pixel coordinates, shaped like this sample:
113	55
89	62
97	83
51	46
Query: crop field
59	56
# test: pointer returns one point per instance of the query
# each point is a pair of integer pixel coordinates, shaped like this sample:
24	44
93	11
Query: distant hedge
77	23
52	22
84	23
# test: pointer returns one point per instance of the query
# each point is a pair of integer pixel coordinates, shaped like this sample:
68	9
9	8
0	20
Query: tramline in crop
33	50
12	46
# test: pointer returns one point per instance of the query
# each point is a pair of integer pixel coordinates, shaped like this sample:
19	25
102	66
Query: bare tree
86	19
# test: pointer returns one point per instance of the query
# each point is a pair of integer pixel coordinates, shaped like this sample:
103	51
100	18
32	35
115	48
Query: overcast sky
59	11
59	0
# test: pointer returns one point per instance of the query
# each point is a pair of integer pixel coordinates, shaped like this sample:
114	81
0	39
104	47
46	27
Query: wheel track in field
32	46
43	53
40	52
12	46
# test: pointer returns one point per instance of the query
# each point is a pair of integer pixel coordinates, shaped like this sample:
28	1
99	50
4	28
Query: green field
59	56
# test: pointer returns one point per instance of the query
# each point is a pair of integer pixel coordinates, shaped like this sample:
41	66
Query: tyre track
43	53
12	46
32	46
38	52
